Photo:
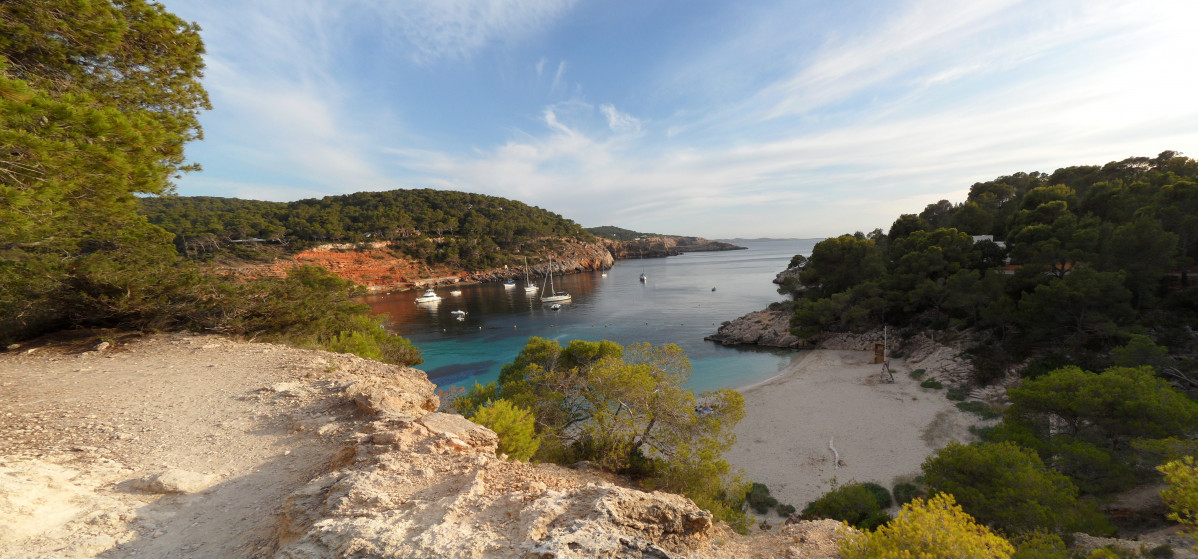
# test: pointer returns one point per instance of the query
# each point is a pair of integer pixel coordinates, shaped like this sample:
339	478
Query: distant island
625	243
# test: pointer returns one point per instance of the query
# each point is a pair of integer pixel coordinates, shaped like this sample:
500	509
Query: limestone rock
393	391
768	327
433	487
174	481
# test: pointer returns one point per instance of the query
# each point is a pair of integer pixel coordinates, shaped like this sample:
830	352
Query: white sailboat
529	287
553	296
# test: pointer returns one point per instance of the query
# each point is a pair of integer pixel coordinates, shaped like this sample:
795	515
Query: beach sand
880	430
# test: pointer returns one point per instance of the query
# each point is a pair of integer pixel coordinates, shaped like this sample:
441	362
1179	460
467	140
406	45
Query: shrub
1182	494
881	495
852	503
931	383
932	529
1040	545
785	510
515	426
956	394
905	492
917	373
759	498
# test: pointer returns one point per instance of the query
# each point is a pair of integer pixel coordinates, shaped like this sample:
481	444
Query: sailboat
553	296
529	287
644	278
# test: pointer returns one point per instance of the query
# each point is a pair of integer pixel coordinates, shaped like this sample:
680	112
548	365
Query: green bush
1040	545
931	383
981	409
917	373
853	503
956	394
785	510
905	492
881	495
759	498
515	426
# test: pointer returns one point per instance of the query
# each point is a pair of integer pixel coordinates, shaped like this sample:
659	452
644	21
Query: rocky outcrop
660	247
769	327
433	487
787	274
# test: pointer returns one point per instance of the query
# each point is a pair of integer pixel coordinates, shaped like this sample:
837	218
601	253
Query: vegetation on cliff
1065	268
618	233
460	229
624	409
1053	276
97	100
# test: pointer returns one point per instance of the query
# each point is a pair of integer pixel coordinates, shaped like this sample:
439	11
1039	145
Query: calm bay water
677	305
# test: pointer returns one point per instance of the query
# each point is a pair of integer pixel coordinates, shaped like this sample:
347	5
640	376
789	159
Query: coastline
882	431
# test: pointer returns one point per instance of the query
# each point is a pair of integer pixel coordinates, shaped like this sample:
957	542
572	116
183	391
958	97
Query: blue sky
786	118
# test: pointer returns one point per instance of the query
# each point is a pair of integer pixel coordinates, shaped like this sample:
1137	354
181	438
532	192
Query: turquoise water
676	305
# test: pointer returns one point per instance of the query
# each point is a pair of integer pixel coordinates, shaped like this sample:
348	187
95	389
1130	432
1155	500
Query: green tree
1086	309
934	529
1083	424
97	100
1008	488
839	263
515	426
626	409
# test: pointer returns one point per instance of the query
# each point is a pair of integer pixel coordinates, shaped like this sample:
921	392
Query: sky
723	119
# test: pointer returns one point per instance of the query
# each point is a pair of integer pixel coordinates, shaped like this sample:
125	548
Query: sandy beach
880	430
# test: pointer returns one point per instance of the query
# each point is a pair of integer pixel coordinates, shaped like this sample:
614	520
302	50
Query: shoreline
883	431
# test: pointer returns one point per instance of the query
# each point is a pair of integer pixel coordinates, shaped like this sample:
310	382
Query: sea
685	298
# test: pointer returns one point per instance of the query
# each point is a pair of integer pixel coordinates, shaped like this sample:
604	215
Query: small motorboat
456	292
509	283
458	313
556	306
429	297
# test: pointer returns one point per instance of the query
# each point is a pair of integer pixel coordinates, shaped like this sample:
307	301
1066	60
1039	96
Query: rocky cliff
379	269
202	446
768	327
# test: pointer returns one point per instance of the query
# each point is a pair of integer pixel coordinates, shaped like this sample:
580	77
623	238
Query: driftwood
835	455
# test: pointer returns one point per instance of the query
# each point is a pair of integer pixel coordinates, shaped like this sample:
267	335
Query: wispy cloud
620	123
868	120
456	29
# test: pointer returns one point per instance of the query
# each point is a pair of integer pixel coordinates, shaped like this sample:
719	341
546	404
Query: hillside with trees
459	229
1041	269
1072	290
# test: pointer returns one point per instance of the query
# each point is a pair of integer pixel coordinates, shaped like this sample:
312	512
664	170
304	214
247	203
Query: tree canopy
97	100
1067	265
626	410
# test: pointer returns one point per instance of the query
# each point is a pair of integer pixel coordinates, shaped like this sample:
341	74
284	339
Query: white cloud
557	77
620	123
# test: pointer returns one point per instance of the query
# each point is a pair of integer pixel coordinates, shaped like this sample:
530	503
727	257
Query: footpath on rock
187	445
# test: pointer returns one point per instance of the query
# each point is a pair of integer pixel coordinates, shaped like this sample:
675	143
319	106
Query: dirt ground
84	425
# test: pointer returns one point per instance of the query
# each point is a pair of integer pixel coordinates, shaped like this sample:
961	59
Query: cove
685	298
